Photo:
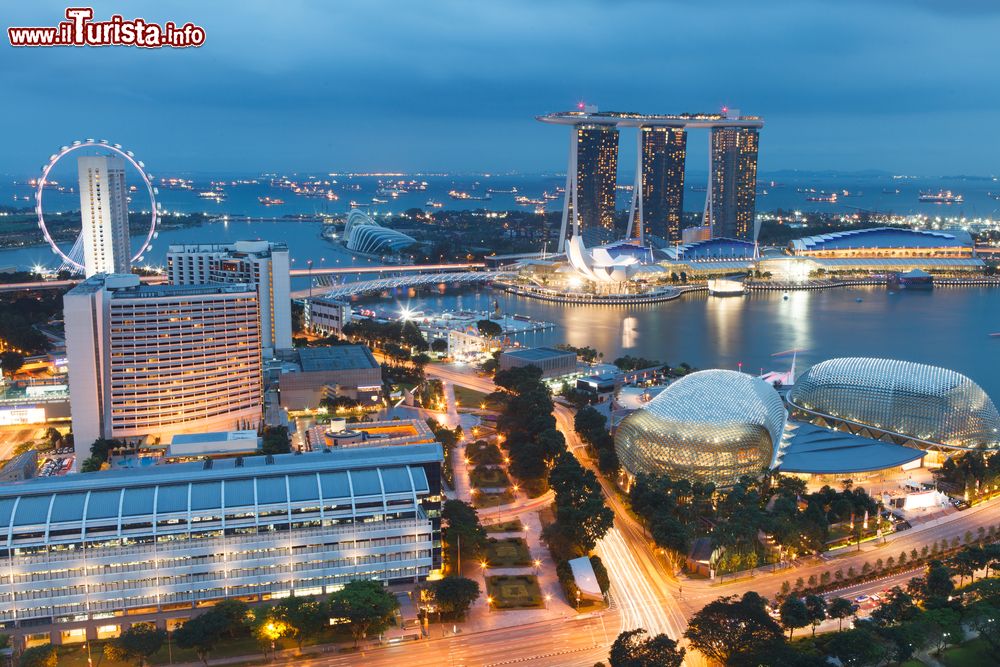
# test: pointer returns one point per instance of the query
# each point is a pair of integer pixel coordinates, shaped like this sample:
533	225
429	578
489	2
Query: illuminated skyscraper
596	175
733	194
104	215
664	150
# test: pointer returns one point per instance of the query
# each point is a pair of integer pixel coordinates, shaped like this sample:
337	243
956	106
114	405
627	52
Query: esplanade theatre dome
927	403
710	426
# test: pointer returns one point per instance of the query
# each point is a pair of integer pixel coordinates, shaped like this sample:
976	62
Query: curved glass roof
927	403
882	237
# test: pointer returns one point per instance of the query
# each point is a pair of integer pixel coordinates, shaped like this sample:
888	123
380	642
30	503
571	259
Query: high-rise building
664	150
259	263
156	360
104	215
733	183
596	175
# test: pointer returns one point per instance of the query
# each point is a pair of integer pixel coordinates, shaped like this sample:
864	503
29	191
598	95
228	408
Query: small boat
859	299
995	335
785	296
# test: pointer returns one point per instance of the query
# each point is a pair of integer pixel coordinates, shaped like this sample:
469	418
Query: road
558	643
641	584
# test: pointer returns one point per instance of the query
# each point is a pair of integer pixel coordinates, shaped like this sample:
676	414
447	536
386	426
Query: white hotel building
262	264
157	360
86	555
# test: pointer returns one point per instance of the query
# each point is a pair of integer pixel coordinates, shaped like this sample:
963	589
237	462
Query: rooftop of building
808	448
883	237
537	353
632	119
325	460
127	286
719	248
244	247
335	358
214	436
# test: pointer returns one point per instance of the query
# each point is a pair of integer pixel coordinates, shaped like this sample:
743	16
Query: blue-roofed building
886	242
717	249
155	544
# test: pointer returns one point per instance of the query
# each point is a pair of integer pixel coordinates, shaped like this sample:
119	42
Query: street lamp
548	598
489	603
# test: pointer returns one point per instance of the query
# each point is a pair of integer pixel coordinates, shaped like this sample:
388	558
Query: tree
39	656
439	345
938	585
307	617
794	614
11	362
275	440
841	608
633	649
367	606
462	528
896	607
235	614
455	595
730	625
944	627
581	513
489	328
202	634
858	648
138	644
816	607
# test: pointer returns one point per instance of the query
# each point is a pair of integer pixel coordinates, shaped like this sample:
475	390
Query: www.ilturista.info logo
80	30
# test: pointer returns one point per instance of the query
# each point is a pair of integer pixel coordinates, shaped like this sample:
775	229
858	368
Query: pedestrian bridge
377	286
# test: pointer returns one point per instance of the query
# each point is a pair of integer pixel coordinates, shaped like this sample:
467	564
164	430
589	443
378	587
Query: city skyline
429	98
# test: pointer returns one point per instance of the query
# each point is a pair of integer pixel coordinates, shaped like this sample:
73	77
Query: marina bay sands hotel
658	194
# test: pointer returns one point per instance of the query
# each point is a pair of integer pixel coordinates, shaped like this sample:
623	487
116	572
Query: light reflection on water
948	327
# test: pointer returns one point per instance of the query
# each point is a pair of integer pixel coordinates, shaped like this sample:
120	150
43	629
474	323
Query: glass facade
710	426
664	150
734	182
927	403
597	175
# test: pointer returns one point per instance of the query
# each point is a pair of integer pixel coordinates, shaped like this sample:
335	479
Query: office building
664	151
326	316
87	555
733	183
155	360
262	264
596	176
104	215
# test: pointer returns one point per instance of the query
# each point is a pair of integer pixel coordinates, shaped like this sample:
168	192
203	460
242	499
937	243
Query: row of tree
677	511
527	425
592	427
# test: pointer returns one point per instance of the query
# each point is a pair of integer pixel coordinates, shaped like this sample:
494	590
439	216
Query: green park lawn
514	592
975	653
481	500
508	552
469	398
482	477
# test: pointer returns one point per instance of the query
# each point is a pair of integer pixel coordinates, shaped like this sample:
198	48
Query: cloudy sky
908	86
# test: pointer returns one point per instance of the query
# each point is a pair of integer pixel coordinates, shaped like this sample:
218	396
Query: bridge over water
379	285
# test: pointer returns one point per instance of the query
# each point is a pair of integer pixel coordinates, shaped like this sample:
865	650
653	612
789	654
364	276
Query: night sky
906	86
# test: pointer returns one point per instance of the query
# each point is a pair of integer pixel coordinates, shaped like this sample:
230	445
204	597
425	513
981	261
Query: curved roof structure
710	426
364	235
934	405
712	249
883	237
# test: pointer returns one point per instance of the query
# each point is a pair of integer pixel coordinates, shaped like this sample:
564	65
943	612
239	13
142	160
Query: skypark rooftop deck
629	119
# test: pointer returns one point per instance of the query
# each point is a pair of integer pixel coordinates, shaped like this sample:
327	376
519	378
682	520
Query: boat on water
270	201
993	195
827	198
726	287
376	200
941	197
433	204
498	191
995	335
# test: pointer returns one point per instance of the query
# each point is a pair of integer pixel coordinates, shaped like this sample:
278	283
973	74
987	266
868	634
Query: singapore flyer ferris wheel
73	259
